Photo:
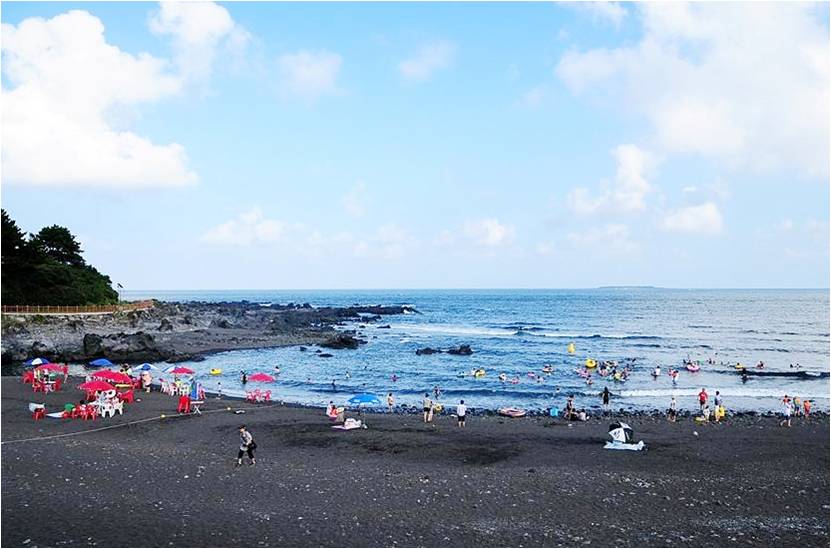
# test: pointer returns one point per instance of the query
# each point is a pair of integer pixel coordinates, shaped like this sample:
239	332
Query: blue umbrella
101	362
364	399
36	362
145	367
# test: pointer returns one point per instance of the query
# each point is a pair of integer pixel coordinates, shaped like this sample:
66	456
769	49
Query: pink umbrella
109	375
181	370
263	378
96	386
50	367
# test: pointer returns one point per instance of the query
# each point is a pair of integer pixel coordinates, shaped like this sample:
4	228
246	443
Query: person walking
461	412
427	406
246	445
605	395
702	399
390	402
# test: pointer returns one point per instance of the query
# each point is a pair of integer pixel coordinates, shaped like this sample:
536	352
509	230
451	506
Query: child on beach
605	395
390	402
246	445
461	411
806	408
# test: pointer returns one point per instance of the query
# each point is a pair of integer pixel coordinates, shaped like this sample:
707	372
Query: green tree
58	244
48	269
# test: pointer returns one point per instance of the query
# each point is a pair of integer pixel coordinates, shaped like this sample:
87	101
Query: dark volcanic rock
166	326
428	351
221	323
325	355
40	348
342	341
93	344
460	350
384	327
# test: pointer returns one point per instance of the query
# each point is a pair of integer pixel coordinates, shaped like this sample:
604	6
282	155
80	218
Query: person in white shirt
461	412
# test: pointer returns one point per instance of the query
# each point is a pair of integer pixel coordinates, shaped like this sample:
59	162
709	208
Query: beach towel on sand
615	445
350	423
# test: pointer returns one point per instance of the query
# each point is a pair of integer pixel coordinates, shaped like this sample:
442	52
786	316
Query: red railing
75	309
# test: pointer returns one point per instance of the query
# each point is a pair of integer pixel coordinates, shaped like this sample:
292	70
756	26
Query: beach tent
621	432
364	399
101	363
36	362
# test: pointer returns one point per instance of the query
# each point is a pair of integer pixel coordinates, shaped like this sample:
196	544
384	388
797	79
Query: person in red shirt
702	399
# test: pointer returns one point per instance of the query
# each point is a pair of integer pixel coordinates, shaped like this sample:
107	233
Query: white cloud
744	83
704	219
533	97
612	237
249	228
66	82
628	191
310	74
354	201
609	12
199	30
427	60
489	232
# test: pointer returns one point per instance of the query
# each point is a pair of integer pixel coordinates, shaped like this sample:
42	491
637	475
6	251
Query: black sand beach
498	482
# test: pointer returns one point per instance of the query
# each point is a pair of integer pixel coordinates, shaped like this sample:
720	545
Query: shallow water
519	331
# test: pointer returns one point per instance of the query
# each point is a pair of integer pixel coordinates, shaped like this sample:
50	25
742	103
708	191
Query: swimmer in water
503	377
394	378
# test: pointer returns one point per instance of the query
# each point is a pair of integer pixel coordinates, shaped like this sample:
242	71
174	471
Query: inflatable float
215	371
693	367
571	348
512	412
479	373
547	370
591	363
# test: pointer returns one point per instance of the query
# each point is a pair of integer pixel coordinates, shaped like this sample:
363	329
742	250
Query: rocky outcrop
342	341
463	350
166	325
427	351
460	350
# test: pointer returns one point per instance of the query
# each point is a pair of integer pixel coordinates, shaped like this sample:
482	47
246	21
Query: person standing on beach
717	402
605	394
461	412
806	408
390	402
427	405
702	399
246	445
787	410
673	410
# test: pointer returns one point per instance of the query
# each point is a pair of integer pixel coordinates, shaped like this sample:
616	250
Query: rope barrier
136	422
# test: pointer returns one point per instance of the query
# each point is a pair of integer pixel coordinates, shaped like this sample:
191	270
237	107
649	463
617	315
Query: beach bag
252	446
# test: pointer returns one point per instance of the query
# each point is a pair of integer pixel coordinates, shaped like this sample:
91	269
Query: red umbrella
50	367
109	375
181	370
264	378
96	385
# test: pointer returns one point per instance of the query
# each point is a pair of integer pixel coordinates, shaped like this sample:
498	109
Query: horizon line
540	288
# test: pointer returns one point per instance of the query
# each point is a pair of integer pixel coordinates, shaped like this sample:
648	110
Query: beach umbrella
101	363
96	385
621	432
364	399
36	362
146	367
50	368
262	378
109	375
179	370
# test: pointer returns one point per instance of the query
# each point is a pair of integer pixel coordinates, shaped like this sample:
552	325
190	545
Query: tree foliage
48	269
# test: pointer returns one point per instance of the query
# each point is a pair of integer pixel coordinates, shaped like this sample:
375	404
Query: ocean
518	332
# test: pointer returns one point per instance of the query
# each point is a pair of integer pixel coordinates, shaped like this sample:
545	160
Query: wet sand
498	482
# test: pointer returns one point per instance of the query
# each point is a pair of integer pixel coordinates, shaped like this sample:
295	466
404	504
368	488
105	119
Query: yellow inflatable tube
591	363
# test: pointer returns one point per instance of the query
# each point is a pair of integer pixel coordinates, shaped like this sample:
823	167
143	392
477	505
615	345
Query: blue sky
264	145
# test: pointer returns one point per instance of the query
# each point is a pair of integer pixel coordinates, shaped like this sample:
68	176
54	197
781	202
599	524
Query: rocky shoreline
175	332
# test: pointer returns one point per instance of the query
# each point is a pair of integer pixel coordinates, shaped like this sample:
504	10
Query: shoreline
533	482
